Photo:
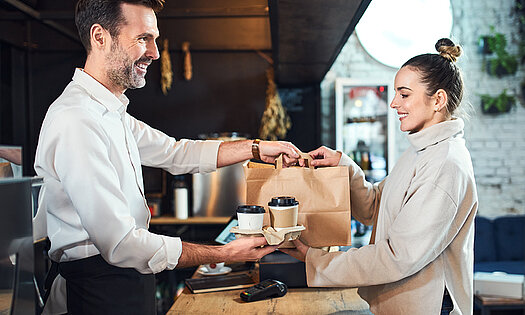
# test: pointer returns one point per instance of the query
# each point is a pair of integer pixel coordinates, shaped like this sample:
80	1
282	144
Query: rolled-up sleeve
167	257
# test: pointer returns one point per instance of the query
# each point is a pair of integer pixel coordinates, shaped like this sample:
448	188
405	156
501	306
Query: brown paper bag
323	195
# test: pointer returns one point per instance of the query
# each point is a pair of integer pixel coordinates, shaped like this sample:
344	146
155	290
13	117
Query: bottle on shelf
362	156
180	197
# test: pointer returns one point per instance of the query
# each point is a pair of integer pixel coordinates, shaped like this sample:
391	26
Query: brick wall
496	142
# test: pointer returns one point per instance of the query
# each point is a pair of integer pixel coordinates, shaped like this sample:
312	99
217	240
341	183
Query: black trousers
98	288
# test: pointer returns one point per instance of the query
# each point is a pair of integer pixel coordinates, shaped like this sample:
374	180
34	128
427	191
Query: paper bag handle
304	156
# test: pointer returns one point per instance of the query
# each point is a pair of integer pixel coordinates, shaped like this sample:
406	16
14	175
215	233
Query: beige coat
424	233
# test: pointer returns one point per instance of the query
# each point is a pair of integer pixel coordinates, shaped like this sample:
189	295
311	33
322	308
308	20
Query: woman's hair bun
448	50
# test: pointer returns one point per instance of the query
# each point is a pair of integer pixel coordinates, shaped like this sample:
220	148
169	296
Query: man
90	153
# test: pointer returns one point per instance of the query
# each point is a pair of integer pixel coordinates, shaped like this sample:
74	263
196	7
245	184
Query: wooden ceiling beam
190	13
308	35
24	8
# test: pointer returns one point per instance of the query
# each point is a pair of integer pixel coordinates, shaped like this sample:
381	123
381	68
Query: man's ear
99	37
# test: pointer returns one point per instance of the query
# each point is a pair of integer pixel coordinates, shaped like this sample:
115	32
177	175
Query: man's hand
324	156
247	248
270	150
231	152
243	249
299	252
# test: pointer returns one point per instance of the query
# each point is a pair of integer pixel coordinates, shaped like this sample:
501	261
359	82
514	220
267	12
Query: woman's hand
324	156
299	252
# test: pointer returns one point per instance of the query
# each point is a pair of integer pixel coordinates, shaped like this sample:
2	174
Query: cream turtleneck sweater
424	233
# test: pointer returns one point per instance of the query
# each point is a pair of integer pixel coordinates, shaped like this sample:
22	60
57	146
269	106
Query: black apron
98	288
447	306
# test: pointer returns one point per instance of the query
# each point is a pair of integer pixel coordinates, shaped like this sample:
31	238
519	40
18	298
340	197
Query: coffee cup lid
283	202
250	209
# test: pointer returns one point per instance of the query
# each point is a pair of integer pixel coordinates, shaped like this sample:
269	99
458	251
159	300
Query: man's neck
96	69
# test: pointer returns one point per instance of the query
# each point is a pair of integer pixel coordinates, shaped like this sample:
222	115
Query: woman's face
416	110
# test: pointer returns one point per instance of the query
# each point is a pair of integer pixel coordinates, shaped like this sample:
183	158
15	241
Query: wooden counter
296	301
5	301
487	304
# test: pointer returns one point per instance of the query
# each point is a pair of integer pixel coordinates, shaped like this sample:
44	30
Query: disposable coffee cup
250	217
283	212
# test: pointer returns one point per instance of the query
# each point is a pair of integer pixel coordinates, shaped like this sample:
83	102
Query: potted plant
497	104
503	62
520	16
483	45
520	12
522	89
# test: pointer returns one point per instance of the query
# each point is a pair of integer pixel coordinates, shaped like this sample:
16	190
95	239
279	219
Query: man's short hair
107	13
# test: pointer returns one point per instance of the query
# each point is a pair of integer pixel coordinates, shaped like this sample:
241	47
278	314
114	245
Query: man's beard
121	69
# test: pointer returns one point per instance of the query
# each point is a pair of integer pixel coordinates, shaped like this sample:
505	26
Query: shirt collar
100	93
436	133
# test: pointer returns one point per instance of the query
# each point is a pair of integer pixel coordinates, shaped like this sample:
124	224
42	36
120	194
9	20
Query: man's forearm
194	254
231	152
13	155
237	151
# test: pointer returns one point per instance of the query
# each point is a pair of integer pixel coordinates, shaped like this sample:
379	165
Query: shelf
369	119
192	220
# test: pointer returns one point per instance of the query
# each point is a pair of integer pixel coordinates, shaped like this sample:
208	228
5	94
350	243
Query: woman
423	212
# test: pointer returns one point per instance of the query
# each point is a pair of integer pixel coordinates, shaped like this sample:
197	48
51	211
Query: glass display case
17	290
10	161
365	125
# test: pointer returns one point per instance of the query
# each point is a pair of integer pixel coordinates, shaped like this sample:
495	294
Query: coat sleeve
422	230
364	196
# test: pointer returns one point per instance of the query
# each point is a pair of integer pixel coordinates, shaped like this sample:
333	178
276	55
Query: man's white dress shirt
90	153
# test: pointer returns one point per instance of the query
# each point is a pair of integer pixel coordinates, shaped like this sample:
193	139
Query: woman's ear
441	100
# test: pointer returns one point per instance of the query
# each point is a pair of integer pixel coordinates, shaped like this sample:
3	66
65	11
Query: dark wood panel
309	33
214	4
227	93
13	32
302	104
45	38
50	73
64	9
218	33
6	110
310	30
15	102
206	24
298	74
60	5
303	32
239	33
